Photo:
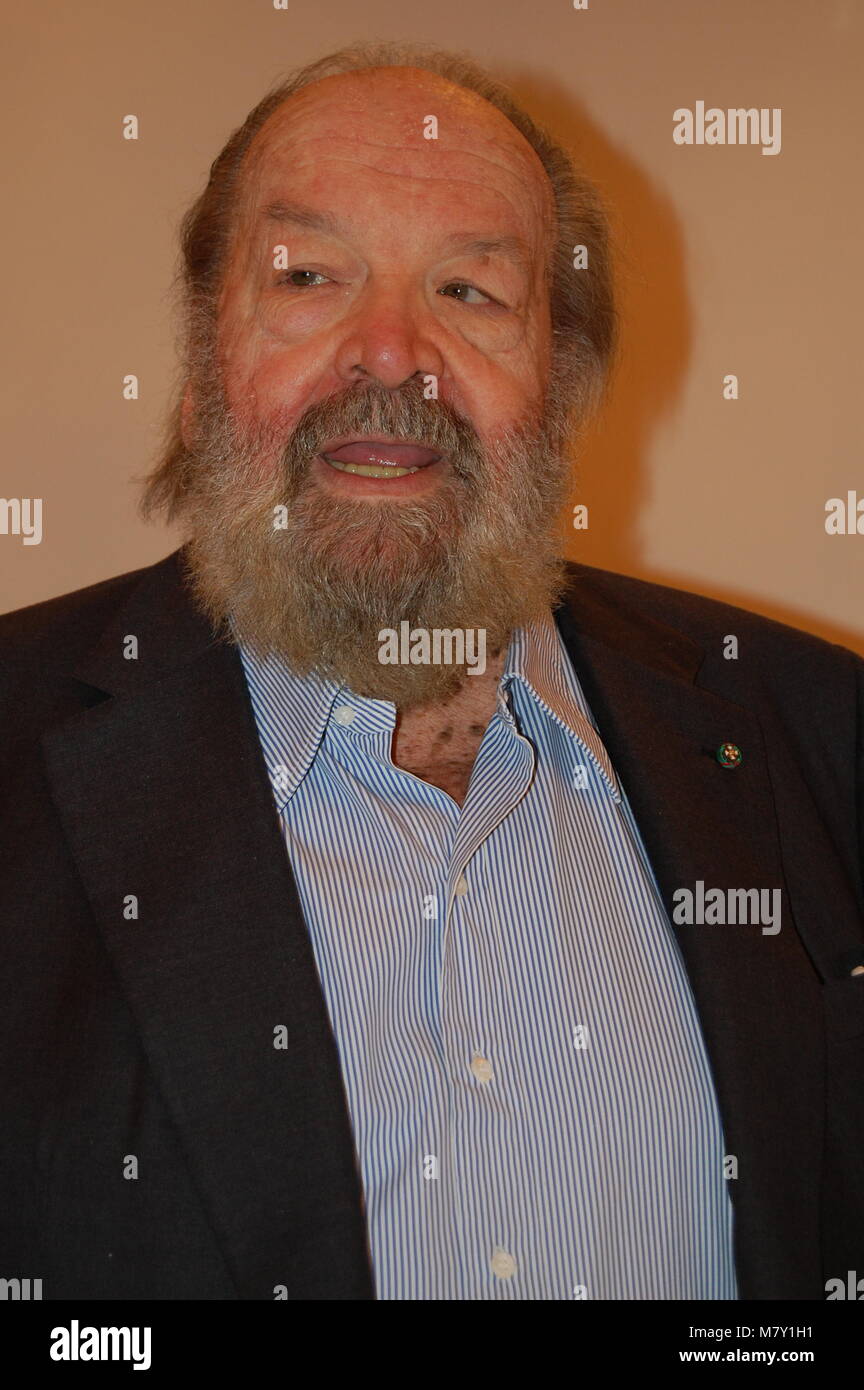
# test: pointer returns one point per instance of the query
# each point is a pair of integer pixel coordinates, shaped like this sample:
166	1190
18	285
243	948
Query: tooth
371	470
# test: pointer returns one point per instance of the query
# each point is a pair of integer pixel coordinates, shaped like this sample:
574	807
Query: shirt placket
481	1103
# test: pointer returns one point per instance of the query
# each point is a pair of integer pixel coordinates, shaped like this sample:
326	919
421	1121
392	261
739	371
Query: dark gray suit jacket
152	1039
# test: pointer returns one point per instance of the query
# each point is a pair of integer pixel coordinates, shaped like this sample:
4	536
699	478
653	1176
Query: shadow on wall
656	318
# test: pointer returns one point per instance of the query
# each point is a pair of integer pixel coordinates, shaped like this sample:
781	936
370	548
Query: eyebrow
301	216
473	244
468	243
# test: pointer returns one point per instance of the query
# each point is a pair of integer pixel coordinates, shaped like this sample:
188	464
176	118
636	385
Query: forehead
368	128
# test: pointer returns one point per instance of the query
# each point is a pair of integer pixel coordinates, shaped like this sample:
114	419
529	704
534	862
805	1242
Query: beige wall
731	262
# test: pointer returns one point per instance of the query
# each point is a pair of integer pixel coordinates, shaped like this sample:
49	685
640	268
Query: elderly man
389	908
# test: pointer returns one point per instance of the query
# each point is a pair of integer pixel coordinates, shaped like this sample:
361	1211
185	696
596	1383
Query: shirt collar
538	659
293	712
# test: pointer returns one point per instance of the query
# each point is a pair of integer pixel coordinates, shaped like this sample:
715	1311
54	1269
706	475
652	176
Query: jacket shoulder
43	643
68	623
709	620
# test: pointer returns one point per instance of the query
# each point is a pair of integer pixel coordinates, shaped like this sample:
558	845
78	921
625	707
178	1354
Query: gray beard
316	588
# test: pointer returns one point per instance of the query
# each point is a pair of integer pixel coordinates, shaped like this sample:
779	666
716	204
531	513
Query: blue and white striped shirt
531	1101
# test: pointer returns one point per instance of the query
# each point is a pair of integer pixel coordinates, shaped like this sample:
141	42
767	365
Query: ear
187	415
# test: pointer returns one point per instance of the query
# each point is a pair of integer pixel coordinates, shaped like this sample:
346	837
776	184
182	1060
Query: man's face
383	380
394	286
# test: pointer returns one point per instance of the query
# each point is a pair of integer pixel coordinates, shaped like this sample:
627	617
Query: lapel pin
852	962
729	755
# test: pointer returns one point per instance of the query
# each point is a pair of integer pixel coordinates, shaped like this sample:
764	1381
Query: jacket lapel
757	994
164	798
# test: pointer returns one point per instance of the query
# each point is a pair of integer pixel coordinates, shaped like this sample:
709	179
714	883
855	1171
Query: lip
405	452
353	485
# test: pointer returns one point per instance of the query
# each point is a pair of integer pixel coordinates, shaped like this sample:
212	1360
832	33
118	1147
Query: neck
439	742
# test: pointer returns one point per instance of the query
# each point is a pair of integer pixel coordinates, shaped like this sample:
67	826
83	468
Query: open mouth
378	458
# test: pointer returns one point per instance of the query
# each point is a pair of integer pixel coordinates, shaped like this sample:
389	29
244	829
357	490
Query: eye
288	279
463	291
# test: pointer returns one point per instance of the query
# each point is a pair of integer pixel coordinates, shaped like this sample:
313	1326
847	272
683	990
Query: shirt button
503	1264
462	887
344	714
482	1068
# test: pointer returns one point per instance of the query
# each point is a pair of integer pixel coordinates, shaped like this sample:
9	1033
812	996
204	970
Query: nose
389	339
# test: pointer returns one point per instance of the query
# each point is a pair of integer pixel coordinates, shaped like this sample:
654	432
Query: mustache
403	413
